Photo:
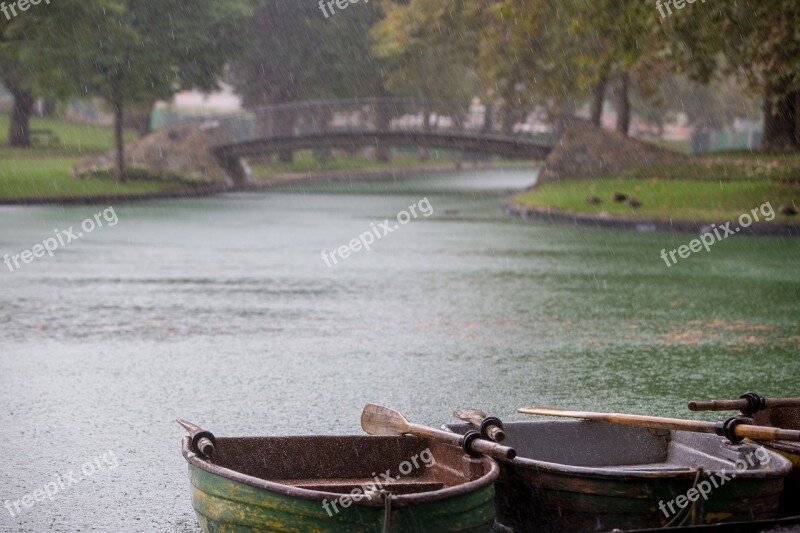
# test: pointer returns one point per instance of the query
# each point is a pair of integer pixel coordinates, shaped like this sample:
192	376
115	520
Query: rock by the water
787	210
620	197
184	150
594	200
586	151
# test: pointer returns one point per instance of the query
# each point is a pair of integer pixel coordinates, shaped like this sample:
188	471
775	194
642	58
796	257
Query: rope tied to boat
387	510
386	496
689	509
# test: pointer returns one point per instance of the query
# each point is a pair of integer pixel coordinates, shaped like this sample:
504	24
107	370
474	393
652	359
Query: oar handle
767	433
471	443
718	405
492	449
495	433
733	428
490	427
744	404
205	446
381	420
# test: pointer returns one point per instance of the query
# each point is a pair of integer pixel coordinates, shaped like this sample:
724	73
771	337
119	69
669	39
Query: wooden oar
488	426
379	420
698	426
741	404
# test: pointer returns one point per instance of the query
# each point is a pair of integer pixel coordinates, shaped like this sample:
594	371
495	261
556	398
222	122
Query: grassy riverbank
720	187
43	170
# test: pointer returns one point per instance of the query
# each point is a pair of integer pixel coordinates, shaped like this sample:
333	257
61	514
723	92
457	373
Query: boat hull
786	418
593	476
228	500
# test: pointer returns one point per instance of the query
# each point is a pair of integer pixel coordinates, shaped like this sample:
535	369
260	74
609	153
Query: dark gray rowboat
596	476
786	418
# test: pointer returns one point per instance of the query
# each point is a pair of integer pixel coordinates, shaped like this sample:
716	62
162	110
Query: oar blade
468	415
383	421
188	426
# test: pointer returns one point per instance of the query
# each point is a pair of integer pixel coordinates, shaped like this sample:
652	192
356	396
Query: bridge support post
382	123
238	171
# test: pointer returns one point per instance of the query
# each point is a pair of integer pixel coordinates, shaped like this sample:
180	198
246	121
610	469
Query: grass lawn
719	187
43	170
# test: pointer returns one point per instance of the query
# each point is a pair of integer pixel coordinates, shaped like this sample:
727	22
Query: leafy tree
457	49
756	40
609	44
26	38
131	52
295	53
428	48
517	57
712	106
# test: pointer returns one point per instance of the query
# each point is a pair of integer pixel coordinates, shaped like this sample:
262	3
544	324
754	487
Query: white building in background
222	101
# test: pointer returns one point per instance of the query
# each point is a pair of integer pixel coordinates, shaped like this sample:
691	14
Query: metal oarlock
466	443
727	429
203	441
756	403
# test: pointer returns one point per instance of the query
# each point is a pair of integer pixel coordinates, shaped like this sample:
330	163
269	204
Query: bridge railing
371	115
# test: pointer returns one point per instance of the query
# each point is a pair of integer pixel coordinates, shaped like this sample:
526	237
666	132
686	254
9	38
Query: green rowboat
339	484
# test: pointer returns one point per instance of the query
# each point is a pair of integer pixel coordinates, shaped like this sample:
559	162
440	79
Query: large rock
184	150
586	151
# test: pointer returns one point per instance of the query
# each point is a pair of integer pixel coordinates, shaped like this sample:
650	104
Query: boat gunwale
785	446
486	480
615	472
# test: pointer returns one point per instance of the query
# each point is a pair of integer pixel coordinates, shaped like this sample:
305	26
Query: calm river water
221	311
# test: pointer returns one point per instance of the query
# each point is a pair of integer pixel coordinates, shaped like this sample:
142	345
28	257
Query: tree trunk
19	131
49	107
780	119
508	117
598	97
119	140
488	118
796	119
139	117
623	104
284	125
